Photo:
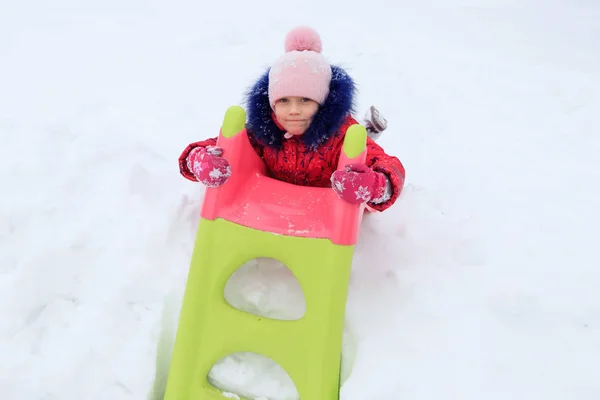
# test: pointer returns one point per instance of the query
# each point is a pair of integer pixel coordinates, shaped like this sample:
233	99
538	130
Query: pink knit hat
302	70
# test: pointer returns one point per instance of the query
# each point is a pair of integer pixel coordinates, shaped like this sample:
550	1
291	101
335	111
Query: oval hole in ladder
252	376
267	288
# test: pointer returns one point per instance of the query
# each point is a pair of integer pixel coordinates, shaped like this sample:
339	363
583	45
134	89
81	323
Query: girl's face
295	113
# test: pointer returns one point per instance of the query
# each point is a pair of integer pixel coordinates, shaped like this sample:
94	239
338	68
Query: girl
298	113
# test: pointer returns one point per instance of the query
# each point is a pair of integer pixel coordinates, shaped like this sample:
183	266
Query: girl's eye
283	100
305	99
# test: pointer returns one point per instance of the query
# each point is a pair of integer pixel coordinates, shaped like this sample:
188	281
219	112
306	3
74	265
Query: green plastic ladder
310	348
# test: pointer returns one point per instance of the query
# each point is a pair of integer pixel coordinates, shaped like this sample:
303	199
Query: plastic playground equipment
310	230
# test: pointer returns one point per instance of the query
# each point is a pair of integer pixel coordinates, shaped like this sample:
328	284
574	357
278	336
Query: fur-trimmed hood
325	124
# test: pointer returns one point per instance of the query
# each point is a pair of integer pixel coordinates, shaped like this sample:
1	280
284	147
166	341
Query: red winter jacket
297	164
309	159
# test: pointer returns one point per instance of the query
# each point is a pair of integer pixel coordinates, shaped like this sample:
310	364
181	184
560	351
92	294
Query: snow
481	282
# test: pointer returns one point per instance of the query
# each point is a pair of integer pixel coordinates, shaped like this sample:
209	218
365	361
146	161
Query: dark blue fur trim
326	122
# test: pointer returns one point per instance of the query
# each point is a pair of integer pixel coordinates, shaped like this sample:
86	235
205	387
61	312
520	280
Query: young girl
298	114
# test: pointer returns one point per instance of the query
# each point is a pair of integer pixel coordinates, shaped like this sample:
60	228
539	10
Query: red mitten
208	166
358	183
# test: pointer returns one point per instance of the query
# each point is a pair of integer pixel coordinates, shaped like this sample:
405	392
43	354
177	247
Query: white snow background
482	282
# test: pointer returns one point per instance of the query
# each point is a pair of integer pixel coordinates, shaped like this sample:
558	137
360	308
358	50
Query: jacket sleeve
183	168
380	161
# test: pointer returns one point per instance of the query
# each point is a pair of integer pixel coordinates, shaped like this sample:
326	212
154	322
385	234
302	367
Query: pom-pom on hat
302	70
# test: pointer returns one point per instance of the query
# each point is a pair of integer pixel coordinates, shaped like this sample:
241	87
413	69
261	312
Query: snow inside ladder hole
252	376
267	288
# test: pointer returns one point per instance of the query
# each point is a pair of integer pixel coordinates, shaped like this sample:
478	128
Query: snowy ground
482	281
